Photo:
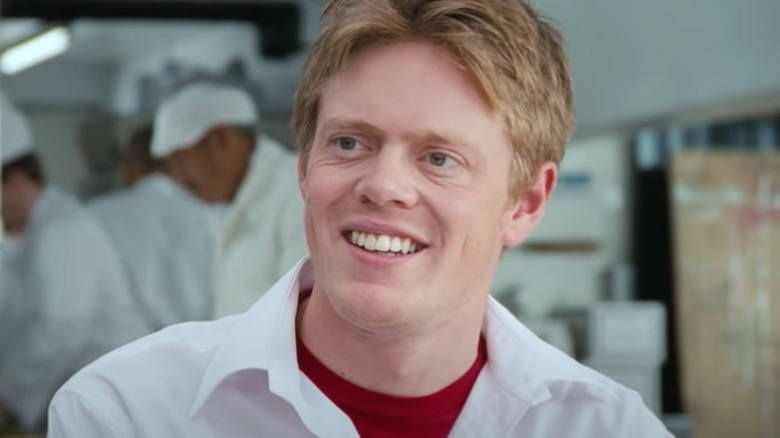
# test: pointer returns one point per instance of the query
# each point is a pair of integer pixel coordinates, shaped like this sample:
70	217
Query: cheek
322	187
472	216
193	172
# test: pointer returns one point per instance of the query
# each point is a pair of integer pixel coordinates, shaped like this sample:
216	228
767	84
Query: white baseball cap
15	133
184	118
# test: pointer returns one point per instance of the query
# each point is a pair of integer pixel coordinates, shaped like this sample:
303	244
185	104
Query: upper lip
374	227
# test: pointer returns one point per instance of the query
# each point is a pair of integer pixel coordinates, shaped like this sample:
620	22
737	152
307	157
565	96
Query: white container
633	331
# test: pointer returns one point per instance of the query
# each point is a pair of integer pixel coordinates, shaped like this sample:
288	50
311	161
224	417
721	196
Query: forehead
412	86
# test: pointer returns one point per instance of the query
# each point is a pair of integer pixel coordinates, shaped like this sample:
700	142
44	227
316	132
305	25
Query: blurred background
657	260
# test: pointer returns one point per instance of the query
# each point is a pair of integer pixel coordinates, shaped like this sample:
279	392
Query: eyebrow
358	125
374	131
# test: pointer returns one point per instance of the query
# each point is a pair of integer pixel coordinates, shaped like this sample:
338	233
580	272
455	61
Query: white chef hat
184	118
15	133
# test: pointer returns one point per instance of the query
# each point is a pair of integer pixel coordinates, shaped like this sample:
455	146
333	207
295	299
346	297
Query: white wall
636	60
61	82
212	52
57	143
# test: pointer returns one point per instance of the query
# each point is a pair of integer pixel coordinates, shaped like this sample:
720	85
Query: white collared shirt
166	245
239	377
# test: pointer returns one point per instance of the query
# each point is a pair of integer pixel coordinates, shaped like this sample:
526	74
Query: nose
388	179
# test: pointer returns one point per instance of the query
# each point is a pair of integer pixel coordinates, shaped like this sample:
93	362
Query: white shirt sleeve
73	416
640	422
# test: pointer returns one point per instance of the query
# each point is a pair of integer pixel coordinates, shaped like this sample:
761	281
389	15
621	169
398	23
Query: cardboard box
726	225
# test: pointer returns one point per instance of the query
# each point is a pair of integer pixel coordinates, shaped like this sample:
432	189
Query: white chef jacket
167	247
262	233
70	305
239	377
9	285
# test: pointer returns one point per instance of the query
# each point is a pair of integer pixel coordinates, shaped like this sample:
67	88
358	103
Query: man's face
406	153
204	170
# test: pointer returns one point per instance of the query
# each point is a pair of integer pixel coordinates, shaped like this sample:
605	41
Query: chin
371	302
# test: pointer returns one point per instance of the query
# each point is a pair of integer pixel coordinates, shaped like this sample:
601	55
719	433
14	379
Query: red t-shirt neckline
379	415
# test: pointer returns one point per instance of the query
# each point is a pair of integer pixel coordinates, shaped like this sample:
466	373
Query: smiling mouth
383	243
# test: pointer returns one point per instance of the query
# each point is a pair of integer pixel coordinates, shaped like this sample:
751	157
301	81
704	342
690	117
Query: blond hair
515	57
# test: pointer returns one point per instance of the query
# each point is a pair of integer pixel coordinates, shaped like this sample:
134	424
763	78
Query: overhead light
35	50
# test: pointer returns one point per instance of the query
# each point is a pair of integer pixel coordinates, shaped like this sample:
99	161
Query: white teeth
395	244
405	245
370	242
382	242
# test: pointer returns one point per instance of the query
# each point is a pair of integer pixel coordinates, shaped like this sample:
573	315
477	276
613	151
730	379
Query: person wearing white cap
70	302
207	134
163	237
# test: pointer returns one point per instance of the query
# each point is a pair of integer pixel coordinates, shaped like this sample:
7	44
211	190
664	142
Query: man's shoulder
564	373
541	364
67	222
562	396
170	361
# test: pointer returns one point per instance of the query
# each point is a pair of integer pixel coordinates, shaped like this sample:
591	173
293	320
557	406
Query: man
429	135
163	237
68	301
208	137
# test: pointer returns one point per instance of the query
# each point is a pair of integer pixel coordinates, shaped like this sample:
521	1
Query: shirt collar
509	377
517	371
520	372
263	337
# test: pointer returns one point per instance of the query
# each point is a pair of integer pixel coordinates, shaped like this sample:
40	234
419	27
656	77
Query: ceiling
112	41
17	29
633	62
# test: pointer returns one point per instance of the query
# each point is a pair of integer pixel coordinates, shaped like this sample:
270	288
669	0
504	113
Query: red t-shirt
377	415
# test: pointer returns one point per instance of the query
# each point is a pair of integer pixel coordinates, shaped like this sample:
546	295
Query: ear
527	211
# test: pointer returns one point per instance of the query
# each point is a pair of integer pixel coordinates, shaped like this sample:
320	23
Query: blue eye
438	159
346	143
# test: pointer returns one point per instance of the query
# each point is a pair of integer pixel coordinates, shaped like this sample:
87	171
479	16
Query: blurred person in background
68	300
207	134
163	237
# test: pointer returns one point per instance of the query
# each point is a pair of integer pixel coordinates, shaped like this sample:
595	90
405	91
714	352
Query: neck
405	363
